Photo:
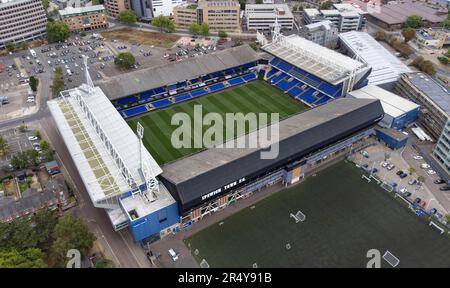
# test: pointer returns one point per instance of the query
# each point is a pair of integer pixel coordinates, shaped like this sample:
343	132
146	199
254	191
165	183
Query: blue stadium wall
389	140
151	225
405	119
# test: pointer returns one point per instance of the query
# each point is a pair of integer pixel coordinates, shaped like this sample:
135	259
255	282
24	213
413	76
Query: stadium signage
224	188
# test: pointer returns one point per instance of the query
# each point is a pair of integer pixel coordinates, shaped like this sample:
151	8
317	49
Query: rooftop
326	23
282	10
392	104
168	74
435	92
397	13
103	147
70	11
386	67
324	63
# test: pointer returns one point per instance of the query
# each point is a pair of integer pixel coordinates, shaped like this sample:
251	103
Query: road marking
131	250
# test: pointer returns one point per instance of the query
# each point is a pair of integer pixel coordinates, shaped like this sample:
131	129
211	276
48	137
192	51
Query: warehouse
210	180
399	112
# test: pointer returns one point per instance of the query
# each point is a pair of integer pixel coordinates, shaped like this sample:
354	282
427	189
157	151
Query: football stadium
118	132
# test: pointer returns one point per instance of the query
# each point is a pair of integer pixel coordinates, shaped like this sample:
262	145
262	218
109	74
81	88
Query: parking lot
17	102
408	183
17	142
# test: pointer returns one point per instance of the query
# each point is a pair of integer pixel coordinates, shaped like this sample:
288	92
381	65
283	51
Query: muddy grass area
142	37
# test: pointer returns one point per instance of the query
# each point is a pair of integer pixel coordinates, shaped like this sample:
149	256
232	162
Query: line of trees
164	23
203	29
58	81
127	17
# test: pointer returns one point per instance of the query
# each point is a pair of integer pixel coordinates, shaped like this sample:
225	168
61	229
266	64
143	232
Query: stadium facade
123	178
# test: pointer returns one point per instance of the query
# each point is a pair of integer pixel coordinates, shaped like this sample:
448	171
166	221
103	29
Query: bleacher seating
217	86
161	103
249	76
235	81
159	90
276	79
307	96
127	100
147	94
199	92
322	100
271	73
182	97
135	111
294	92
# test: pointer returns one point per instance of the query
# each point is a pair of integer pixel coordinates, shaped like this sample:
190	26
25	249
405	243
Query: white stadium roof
324	63
103	146
386	68
392	104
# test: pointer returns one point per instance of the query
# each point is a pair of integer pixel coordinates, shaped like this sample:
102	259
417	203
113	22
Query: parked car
424	166
445	188
417	200
433	211
365	154
390	167
431	172
32	138
403	175
418	157
173	255
399	172
384	164
439	181
374	170
412	181
407	194
423	203
403	190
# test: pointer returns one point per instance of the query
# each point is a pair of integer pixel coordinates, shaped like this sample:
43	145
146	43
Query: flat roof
392	104
311	12
393	133
397	13
386	68
102	174
70	11
324	23
320	61
168	74
428	86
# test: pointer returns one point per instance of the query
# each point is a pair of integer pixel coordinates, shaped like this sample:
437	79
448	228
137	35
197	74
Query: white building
147	9
346	17
263	16
386	68
324	33
21	20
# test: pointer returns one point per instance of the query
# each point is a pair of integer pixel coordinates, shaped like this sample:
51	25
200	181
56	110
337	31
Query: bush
380	36
125	60
425	66
223	34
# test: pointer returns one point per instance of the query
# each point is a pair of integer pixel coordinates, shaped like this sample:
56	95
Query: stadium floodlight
146	168
89	81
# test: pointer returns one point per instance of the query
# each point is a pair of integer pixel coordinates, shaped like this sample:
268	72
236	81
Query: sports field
257	96
345	217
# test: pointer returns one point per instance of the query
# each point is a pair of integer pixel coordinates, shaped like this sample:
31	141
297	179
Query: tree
204	29
380	36
127	17
409	33
4	147
300	8
57	31
33	83
10	46
223	34
413	21
22	128
163	22
420	178
411	170
70	233
443	59
45	3
125	60
194	28
58	81
44	222
28	258
425	66
24	159
326	5
104	263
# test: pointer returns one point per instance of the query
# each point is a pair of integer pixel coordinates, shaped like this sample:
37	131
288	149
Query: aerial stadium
145	184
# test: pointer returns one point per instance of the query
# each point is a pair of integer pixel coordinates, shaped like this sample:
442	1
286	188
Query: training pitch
345	217
257	97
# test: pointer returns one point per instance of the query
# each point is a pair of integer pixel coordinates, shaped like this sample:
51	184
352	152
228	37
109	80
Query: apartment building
220	15
442	150
84	18
263	16
345	17
21	20
324	33
114	7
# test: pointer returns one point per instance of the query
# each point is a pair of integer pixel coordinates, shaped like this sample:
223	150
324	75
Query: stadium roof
393	104
320	61
299	135
146	79
397	13
429	87
95	158
386	68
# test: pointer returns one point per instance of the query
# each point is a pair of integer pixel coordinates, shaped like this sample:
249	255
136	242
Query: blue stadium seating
159	90
217	86
135	110
193	81
182	97
307	96
277	78
161	103
216	74
147	94
271	72
206	77
249	77
275	61
199	92
235	81
286	67
127	100
294	92
181	84
172	87
328	88
283	85
324	99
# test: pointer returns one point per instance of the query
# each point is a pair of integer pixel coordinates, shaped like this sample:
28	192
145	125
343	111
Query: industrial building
386	68
264	16
21	21
211	180
390	137
398	112
220	15
393	16
84	18
434	100
117	171
324	33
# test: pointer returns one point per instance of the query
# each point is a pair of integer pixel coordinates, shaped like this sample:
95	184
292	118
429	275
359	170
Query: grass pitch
257	96
345	217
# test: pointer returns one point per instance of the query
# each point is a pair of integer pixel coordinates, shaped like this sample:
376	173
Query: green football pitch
345	218
257	97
